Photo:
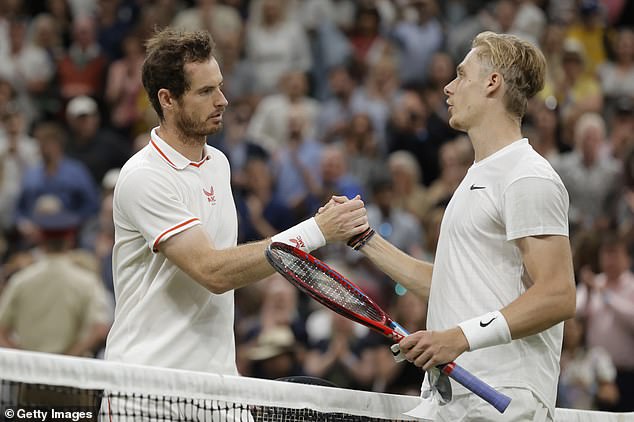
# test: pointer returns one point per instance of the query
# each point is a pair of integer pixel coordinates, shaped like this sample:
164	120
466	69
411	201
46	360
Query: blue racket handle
467	379
477	386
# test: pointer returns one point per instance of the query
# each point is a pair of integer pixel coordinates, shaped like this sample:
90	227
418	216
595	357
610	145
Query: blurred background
325	97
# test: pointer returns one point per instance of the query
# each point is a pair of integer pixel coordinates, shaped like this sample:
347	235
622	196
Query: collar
173	157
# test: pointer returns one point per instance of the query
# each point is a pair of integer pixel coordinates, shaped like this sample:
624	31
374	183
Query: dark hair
50	130
168	51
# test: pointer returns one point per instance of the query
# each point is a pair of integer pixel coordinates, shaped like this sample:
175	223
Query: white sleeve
534	206
151	204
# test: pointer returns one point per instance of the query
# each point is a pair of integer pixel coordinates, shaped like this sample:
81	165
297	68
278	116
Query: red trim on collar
162	153
201	162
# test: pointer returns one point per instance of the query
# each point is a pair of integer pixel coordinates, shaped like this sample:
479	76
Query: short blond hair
521	64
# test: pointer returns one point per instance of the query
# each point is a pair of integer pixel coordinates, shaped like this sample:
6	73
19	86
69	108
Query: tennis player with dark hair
502	280
175	257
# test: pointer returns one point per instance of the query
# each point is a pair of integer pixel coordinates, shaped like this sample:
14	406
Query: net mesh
342	293
43	387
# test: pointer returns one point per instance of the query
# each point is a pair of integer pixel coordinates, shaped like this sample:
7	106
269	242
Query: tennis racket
336	292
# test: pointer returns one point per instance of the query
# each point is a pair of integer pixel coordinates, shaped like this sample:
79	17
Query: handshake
343	219
339	220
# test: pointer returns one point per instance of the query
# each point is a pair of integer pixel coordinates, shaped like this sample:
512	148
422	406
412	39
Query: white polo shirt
163	317
511	194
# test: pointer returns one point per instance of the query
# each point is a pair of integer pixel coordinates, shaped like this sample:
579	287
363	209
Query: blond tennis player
502	280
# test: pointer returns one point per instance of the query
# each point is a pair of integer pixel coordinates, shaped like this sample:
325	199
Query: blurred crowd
325	97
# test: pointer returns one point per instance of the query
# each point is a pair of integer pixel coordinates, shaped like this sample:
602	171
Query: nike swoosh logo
474	187
484	324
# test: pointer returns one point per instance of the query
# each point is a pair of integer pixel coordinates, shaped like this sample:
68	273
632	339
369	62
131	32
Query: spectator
55	306
234	142
530	21
376	95
82	70
115	19
577	92
394	224
335	176
98	148
366	40
361	148
338	357
418	41
298	178
455	157
217	18
606	301
587	374
62	14
57	175
589	30
392	377
622	127
18	152
545	120
497	16
409	132
27	67
123	86
617	76
275	44
589	173
274	354
238	82
260	213
278	311
45	34
337	110
409	194
270	122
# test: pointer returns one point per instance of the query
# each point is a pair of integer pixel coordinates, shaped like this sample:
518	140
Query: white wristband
487	330
306	236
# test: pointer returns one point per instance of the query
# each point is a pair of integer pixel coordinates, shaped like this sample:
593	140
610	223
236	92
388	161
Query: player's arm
551	298
412	273
220	270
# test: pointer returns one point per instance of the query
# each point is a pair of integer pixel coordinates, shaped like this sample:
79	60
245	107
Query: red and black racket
336	292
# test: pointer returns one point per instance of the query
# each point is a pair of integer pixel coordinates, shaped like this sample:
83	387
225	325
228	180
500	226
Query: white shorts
524	407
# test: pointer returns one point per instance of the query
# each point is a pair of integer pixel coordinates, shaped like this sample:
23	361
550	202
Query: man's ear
494	83
165	99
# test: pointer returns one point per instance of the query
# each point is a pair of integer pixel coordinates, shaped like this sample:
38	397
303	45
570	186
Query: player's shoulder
529	163
142	167
217	156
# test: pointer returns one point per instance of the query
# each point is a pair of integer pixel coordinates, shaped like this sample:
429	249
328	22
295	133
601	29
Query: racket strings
338	291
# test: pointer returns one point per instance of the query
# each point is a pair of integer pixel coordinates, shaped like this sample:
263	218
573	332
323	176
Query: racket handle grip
477	386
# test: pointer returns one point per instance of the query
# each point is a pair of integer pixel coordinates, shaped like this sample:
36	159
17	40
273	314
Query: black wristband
360	240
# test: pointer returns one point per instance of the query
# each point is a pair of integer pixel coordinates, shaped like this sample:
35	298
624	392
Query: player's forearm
412	273
233	268
540	307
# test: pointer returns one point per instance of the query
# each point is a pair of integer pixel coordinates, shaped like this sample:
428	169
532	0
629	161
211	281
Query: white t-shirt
511	194
163	317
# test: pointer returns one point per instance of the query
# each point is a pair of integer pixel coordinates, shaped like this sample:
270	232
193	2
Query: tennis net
44	387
